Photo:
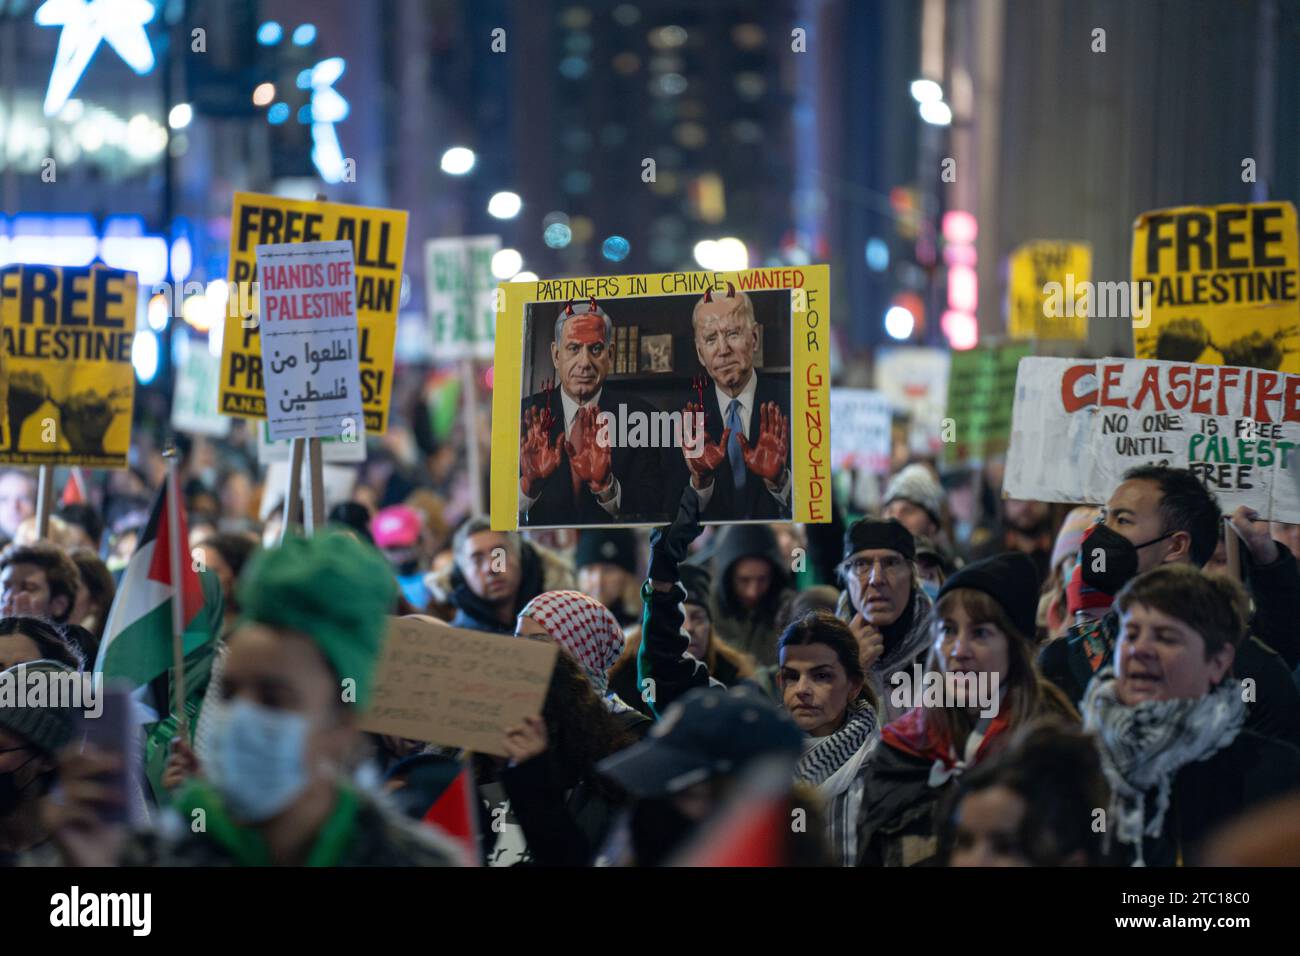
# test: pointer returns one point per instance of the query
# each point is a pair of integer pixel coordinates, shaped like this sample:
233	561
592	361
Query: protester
933	566
883	603
982	637
17	500
1054	616
750	586
95	592
915	499
32	731
605	562
1170	721
37	580
1033	804
1159	515
274	790
354	517
25	639
225	554
494	575
399	532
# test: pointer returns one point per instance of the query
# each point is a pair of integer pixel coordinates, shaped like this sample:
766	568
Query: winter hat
46	727
697	582
916	484
396	527
879	534
353	515
330	587
615	546
582	626
1080	597
1011	579
1070	538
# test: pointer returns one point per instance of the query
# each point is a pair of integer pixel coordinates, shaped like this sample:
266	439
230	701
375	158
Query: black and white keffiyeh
836	765
831	753
1142	748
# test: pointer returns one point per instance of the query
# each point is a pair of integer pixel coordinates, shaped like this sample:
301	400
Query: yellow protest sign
1035	310
1223	285
69	382
664	368
378	238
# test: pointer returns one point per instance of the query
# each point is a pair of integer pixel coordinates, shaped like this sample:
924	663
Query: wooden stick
44	500
174	552
293	492
314	506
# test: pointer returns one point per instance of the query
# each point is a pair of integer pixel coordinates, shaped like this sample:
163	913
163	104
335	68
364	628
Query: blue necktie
734	453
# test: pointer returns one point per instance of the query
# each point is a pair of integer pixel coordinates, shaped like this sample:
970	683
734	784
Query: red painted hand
589	458
538	456
710	455
767	458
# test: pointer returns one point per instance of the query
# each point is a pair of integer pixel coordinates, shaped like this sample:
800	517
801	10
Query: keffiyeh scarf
587	630
841	750
1143	747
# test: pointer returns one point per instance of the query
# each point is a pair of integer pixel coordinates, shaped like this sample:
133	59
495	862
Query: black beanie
696	581
1011	579
615	546
883	533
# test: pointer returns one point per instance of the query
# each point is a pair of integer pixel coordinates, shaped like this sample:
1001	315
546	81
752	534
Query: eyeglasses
861	567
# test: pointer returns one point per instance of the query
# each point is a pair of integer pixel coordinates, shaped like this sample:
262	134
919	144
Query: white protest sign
194	402
1079	424
345	449
915	378
862	435
459	287
308	310
338	482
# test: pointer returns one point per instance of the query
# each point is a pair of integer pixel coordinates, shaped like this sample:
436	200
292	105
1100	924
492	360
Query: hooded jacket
543	570
749	630
902	649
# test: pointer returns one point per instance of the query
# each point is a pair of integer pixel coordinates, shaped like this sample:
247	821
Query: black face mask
1108	560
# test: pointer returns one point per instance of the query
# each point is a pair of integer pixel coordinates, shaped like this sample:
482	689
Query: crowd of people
1081	687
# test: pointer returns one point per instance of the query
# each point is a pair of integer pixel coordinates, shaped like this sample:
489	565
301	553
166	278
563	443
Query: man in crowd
742	469
751	584
17	500
605	561
571	472
1157	516
37	580
915	498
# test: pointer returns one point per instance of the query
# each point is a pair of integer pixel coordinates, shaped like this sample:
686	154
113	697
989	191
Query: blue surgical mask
931	588
257	758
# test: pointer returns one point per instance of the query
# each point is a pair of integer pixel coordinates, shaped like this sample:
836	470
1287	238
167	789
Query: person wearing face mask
1157	516
1170	723
983	624
883	602
275	783
30	736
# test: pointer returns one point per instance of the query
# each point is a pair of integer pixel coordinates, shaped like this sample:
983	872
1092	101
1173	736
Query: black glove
670	544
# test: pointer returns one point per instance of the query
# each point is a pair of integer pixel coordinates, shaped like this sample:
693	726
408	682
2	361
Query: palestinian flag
137	644
754	829
454	811
74	492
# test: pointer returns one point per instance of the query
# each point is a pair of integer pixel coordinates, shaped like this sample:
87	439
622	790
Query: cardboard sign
981	388
1224	285
651	415
378	238
1043	300
68	335
459	295
1079	424
309	340
915	379
863	436
194	401
457	688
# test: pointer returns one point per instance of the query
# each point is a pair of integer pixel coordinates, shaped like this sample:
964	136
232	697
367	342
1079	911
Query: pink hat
396	527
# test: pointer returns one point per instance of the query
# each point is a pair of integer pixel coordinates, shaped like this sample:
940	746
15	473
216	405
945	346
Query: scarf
844	750
1143	747
914	735
905	637
583	627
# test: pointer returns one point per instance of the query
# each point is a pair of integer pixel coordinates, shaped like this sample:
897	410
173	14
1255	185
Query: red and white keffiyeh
582	626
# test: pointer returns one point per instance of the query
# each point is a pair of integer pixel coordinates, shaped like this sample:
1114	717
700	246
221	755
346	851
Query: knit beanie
1070	538
46	727
1011	579
333	589
879	534
615	546
917	484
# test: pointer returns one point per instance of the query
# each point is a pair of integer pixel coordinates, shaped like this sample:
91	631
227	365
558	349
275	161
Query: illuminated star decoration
327	108
86	24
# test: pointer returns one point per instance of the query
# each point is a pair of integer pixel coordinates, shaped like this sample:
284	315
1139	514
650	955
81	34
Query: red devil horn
594	306
708	295
568	309
731	291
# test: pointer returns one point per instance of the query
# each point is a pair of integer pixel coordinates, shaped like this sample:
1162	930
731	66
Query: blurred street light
457	161
936	113
504	205
180	116
926	91
506	264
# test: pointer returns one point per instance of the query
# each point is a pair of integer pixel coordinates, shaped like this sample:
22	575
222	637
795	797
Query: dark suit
754	501
639	472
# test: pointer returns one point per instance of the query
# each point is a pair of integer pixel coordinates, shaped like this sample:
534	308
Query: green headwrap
330	587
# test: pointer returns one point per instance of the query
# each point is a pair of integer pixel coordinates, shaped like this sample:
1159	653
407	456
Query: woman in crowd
983	626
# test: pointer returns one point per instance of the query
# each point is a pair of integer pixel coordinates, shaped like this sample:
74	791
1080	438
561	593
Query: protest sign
915	379
1224	286
1079	424
68	335
863	436
1045	300
337	484
456	688
745	353
459	293
981	387
309	339
332	449
378	238
194	400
